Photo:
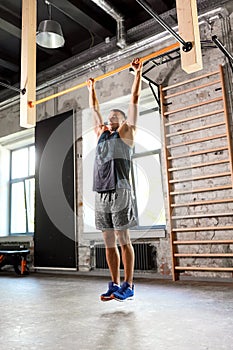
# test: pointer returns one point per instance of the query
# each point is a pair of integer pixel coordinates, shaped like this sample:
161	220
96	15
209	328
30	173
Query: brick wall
120	84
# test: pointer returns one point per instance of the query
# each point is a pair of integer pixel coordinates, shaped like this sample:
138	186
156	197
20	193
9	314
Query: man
114	210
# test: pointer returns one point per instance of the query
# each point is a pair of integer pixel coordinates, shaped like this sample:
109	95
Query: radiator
145	257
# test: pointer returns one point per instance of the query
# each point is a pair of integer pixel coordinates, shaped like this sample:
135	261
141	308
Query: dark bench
16	257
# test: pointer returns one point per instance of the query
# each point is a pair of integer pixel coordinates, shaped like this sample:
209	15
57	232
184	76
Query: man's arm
135	92
94	105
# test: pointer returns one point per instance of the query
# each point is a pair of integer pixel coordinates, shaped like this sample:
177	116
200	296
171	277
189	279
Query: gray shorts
114	210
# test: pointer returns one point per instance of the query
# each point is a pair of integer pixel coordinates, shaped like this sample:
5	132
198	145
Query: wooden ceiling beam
10	28
8	63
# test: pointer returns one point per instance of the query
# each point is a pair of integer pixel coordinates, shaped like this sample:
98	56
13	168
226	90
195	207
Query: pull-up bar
103	76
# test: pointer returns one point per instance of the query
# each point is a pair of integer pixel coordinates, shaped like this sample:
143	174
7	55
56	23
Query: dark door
55	193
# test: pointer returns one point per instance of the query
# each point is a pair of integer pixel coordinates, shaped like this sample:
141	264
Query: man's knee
123	237
109	239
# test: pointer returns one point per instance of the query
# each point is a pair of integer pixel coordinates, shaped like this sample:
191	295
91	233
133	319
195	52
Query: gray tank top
112	163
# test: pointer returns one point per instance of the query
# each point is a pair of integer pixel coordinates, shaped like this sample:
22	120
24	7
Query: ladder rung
204	255
196	141
207	228
201	215
193	89
204	268
194	117
197	153
199	165
205	241
209	126
216	201
190	80
198	190
194	106
200	177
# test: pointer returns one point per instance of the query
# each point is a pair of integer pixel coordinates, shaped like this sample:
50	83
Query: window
22	190
146	171
148	189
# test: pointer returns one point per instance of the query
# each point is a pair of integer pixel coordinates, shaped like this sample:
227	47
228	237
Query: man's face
114	120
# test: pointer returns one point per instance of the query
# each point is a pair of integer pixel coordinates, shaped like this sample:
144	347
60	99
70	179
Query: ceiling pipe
119	18
135	48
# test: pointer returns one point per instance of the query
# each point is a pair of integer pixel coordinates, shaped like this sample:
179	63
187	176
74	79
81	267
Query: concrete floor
44	311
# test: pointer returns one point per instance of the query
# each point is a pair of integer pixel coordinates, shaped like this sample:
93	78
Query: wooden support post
28	63
189	30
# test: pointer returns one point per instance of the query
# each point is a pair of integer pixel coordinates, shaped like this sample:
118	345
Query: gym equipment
16	257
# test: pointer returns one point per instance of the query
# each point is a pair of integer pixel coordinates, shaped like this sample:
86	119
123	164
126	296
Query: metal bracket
187	45
157	97
153	63
219	44
150	82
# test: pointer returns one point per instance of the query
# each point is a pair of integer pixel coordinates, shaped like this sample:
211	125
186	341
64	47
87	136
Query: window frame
20	180
141	155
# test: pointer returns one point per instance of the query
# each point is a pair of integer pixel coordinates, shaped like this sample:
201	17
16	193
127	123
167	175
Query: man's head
115	119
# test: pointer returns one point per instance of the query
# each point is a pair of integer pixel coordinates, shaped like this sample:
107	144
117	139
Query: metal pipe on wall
135	48
110	10
187	46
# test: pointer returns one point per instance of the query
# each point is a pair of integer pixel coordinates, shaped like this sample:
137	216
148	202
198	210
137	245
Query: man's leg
112	255
127	255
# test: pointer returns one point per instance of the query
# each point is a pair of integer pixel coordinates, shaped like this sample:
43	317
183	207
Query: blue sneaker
112	287
124	293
